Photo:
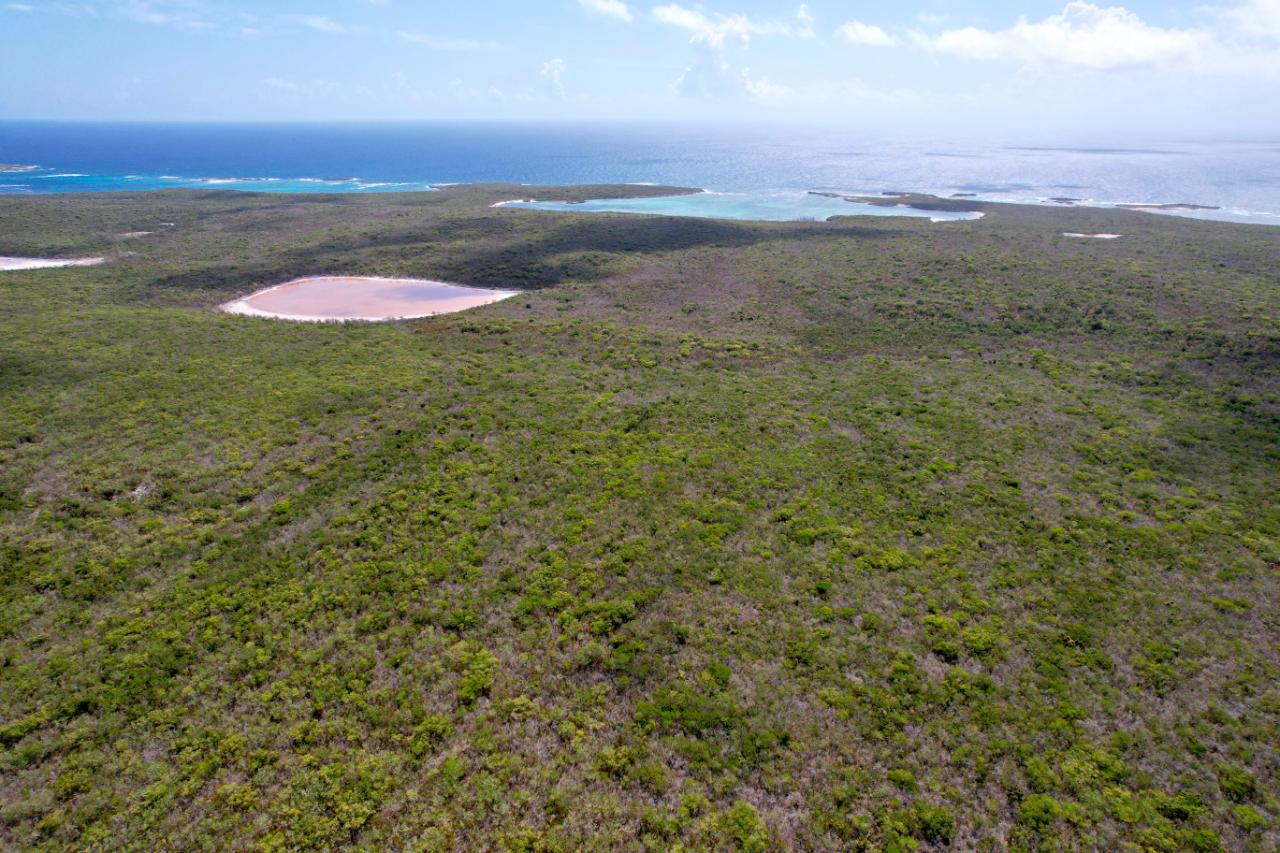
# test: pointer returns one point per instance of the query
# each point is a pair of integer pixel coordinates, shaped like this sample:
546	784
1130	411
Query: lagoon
765	207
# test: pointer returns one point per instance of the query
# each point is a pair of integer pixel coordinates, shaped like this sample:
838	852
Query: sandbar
9	264
339	298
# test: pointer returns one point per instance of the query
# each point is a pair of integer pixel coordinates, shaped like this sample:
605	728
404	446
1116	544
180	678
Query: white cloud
20	7
183	14
720	28
443	42
712	76
321	23
1084	35
295	92
763	90
1259	18
804	18
461	93
868	35
678	16
406	92
553	71
610	8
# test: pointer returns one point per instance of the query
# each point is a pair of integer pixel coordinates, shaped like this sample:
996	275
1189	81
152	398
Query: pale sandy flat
7	264
357	298
1093	236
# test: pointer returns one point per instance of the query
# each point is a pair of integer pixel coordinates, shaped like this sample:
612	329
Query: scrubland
871	534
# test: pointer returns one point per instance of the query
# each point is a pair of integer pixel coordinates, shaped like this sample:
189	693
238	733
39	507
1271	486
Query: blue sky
1191	67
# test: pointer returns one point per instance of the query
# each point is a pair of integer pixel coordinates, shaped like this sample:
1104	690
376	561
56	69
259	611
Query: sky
1202	67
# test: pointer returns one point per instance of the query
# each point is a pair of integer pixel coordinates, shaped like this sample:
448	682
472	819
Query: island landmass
858	534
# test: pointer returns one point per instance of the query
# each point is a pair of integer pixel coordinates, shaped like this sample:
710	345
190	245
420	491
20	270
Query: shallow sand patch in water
338	298
8	264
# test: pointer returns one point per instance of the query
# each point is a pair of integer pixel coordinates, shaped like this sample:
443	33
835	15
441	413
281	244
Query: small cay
339	298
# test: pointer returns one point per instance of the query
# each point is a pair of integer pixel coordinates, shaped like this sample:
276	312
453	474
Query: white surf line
8	264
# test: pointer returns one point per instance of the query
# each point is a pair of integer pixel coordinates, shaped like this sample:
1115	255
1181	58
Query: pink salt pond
338	298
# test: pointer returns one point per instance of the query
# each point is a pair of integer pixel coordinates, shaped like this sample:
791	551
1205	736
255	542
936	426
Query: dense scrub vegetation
870	534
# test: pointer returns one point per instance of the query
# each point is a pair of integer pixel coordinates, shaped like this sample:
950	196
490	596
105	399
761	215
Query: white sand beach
10	264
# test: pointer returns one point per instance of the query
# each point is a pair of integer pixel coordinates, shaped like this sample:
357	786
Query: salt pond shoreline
338	299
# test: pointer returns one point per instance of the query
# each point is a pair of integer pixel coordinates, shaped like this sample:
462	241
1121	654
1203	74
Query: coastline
794	206
40	180
13	264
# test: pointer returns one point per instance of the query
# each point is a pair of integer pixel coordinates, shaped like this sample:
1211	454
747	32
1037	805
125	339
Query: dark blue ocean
1241	178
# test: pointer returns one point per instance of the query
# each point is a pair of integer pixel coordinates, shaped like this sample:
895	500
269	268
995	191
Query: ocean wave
1260	214
236	180
62	175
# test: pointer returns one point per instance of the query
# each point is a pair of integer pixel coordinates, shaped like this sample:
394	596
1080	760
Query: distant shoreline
1177	206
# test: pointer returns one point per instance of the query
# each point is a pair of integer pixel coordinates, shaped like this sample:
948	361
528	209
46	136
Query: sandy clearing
1092	236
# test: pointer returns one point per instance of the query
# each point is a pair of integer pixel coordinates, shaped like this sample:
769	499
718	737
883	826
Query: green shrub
937	824
479	670
429	735
1039	811
1237	783
904	780
745	828
1248	818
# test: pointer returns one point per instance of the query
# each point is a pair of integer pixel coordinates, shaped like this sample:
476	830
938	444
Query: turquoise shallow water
1240	179
768	207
